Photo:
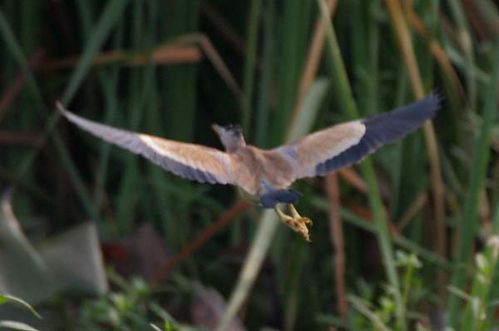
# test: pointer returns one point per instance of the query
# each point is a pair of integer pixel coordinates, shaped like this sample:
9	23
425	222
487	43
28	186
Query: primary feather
347	143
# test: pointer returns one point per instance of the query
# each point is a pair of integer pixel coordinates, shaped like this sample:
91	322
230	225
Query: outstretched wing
347	143
200	163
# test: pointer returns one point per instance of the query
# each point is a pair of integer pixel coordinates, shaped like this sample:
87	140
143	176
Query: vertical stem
258	251
468	224
336	237
267	74
268	223
249	66
314	55
466	44
409	56
407	283
347	102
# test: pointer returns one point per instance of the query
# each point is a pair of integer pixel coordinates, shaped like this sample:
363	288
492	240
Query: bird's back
254	166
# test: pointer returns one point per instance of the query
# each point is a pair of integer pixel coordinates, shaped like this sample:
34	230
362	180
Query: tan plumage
208	160
317	147
269	173
191	161
247	168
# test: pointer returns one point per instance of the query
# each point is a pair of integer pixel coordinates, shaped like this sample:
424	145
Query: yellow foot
295	221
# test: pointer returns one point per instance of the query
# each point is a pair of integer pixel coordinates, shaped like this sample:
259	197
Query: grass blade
249	66
414	73
347	102
468	224
112	12
267	225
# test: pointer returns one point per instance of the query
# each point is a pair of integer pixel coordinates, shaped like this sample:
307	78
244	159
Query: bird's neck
235	148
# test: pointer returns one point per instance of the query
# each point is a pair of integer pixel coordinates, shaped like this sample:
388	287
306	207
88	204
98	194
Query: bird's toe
300	225
296	222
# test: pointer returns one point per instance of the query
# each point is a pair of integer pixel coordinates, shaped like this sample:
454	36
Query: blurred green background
95	238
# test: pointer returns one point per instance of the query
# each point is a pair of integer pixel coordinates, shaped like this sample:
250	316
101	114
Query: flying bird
268	174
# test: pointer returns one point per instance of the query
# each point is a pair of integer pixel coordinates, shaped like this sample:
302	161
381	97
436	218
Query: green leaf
154	327
10	298
13	325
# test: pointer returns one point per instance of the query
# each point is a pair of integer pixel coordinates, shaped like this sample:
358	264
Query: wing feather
317	148
195	162
345	144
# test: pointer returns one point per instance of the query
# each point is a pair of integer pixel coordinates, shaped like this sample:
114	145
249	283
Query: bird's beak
216	128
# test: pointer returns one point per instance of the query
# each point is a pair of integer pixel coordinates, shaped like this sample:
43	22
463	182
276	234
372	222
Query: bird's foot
295	221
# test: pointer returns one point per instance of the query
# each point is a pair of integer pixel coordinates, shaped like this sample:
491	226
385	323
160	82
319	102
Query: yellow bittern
268	174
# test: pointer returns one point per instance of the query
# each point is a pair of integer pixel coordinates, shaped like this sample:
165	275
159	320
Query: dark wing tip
437	94
387	127
433	101
383	129
407	118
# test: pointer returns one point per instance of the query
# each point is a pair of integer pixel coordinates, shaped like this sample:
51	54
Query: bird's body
268	174
256	166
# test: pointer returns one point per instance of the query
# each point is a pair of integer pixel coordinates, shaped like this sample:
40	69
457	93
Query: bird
267	174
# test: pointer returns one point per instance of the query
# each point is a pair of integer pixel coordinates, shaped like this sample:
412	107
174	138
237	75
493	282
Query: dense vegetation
407	240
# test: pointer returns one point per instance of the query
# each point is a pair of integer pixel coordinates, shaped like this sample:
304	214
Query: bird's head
231	136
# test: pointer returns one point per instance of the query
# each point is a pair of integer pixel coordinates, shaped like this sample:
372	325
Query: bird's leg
295	221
